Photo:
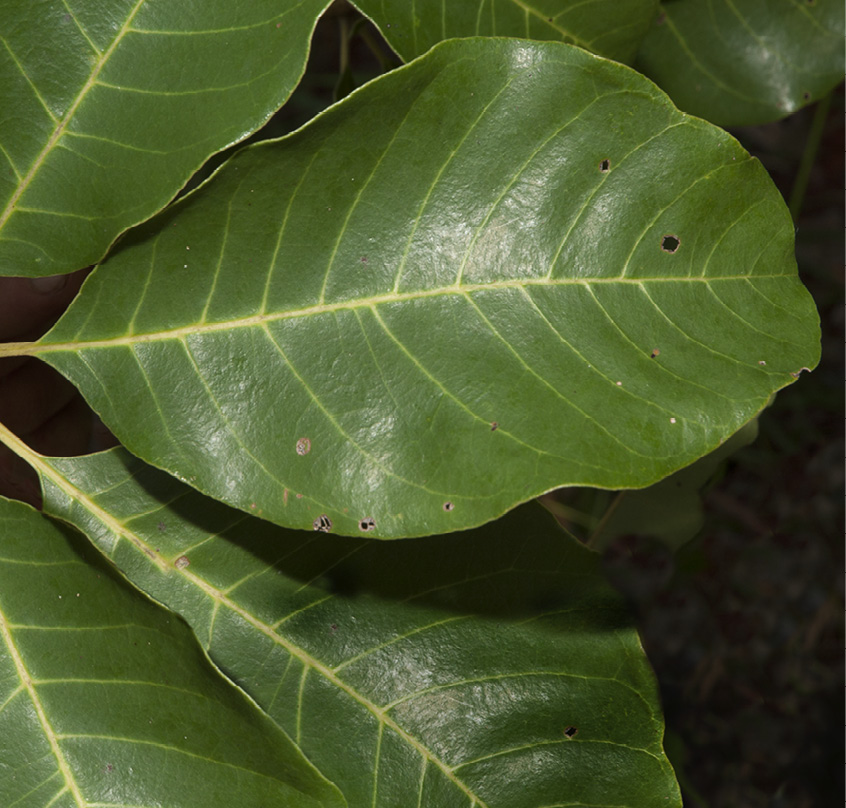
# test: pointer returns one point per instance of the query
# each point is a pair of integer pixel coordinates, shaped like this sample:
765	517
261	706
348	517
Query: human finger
31	395
30	305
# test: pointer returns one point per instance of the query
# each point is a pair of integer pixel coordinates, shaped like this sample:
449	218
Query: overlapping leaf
106	699
606	27
492	669
109	107
504	268
740	62
670	511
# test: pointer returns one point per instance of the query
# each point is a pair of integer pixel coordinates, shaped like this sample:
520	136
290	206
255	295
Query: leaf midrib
310	662
44	469
257	320
46	727
121	531
67	117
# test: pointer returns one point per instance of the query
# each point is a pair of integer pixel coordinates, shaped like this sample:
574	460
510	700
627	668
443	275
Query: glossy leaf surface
739	62
606	27
106	699
493	669
449	294
111	105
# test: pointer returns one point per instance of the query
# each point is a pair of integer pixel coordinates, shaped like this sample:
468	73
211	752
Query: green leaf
107	699
504	268
739	62
110	106
606	27
494	668
671	510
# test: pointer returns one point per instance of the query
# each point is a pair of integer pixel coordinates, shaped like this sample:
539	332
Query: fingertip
49	285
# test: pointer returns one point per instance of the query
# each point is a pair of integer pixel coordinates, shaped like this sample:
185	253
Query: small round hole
670	243
448	506
605	165
323	524
570	731
367	524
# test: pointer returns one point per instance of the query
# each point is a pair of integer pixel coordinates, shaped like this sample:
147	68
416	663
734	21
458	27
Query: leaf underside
493	669
504	268
106	699
741	62
112	105
606	27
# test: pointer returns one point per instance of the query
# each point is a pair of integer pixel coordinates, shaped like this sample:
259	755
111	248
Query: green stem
386	63
593	541
16	349
565	512
809	155
15	444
